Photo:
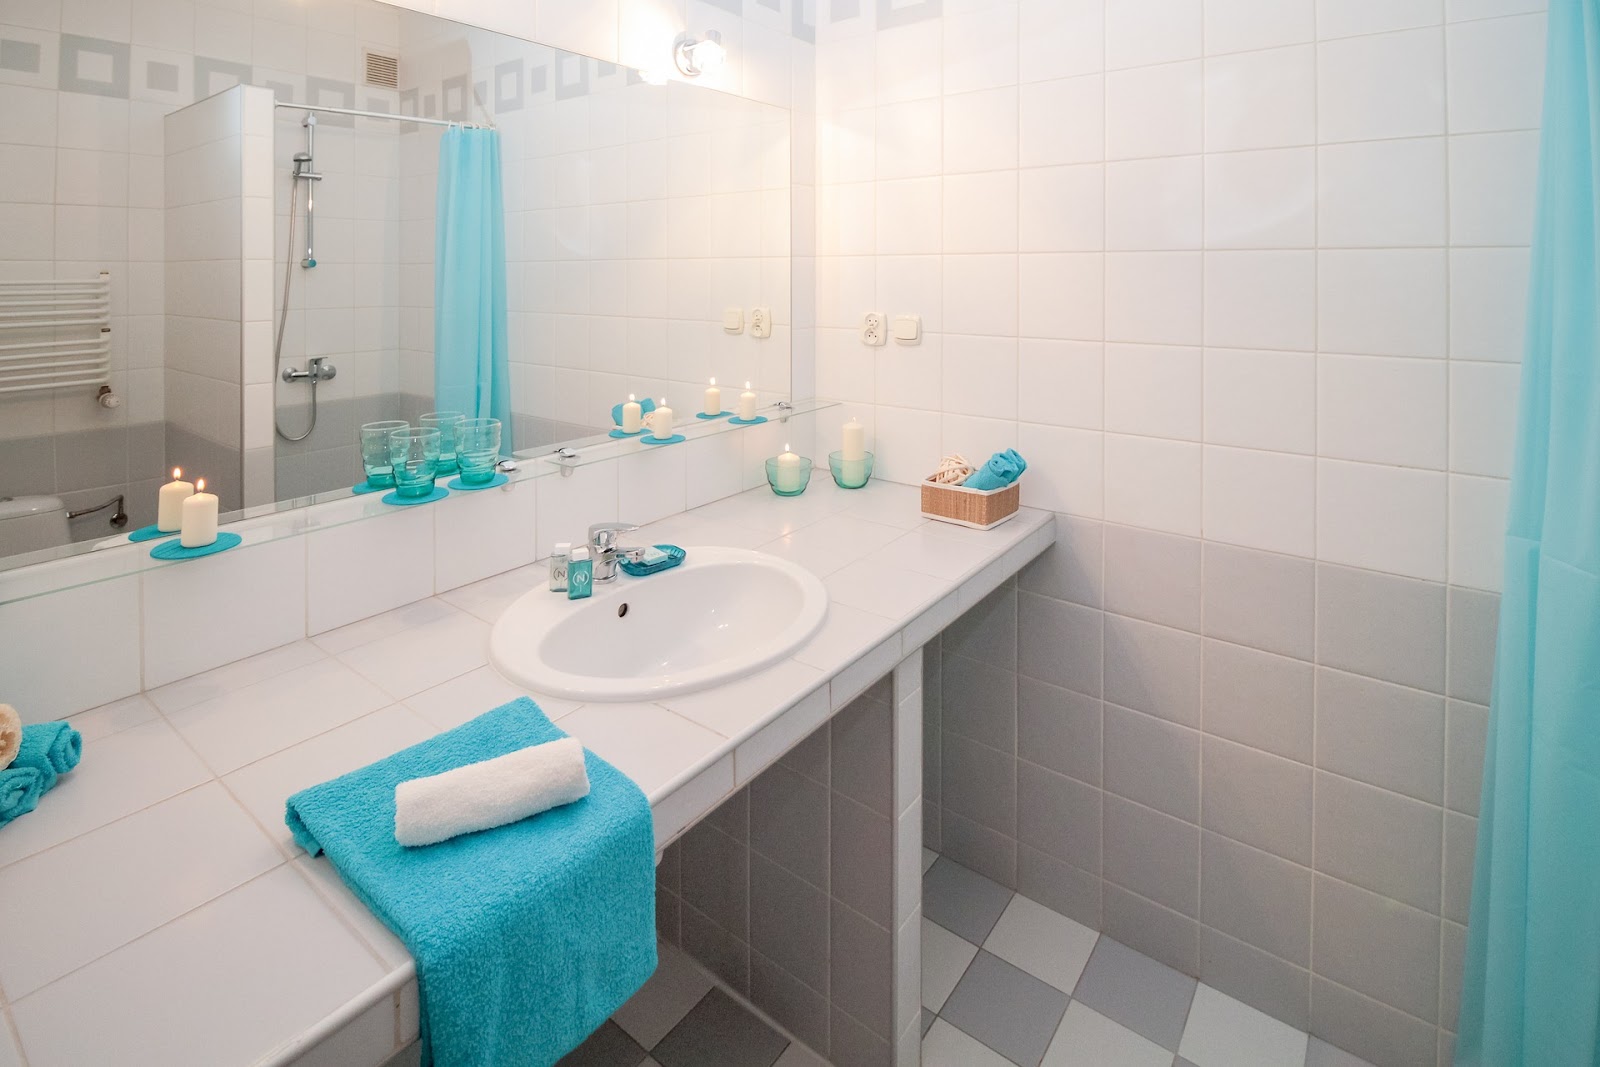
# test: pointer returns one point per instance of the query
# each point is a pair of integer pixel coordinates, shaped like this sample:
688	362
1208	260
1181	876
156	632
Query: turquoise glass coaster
174	549
498	479
757	421
439	493
676	438
636	433
363	488
149	533
718	415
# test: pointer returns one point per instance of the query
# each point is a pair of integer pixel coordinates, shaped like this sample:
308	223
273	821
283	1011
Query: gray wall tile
789	823
1259	599
1368	943
1258	978
1059	886
1258	699
1473	621
1256	897
1382	734
1152	854
980	702
724	955
714	876
987	632
91	459
1058	816
789	922
1152	761
1071	568
852	1045
800	1009
1466	727
1382	626
861	962
1059	729
1452	954
980	783
1460	846
1157	931
863	744
1375	1032
812	757
1153	669
1260	799
732	816
1380	840
1153	576
1059	643
861	875
668	910
30	466
989	852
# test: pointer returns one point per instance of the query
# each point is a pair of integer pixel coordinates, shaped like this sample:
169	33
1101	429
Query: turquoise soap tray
675	556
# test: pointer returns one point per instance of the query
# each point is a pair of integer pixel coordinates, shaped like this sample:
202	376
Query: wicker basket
978	508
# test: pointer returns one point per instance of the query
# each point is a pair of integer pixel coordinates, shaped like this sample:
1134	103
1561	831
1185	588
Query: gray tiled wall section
1260	769
88	467
786	891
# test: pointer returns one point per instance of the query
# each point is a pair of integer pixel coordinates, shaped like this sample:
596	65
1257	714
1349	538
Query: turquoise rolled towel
51	748
1002	469
20	790
646	406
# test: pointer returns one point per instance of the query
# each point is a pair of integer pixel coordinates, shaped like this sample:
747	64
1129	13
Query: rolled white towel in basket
481	796
10	735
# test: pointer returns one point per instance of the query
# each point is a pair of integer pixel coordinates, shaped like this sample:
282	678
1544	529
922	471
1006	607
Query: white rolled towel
10	735
481	796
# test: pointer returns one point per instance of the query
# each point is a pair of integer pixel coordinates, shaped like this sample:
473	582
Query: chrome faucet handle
603	535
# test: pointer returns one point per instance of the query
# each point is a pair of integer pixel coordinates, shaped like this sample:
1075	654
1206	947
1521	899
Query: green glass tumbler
375	458
447	423
414	452
478	450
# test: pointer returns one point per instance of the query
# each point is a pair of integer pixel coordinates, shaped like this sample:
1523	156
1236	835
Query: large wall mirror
231	237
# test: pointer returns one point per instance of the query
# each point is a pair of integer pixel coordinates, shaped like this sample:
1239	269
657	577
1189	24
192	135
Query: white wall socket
872	329
761	322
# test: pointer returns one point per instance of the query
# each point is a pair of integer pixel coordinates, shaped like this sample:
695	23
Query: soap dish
675	556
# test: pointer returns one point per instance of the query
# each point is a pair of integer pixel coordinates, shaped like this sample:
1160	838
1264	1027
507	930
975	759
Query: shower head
302	157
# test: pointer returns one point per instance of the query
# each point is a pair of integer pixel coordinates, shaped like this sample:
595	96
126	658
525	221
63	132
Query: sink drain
622	611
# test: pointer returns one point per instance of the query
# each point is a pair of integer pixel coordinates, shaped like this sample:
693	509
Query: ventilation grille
383	71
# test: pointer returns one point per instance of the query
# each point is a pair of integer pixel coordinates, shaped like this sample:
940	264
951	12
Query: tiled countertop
170	919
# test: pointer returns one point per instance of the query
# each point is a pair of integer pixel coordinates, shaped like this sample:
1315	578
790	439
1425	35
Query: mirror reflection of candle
632	414
747	405
199	518
169	502
713	404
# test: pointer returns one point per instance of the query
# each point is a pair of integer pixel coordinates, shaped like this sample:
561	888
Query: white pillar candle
713	404
747	405
853	454
661	420
199	518
790	477
169	504
631	415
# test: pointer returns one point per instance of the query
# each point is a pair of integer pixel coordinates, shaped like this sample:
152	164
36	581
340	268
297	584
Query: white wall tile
651	484
1154	297
1262	199
1477	531
910	139
1496	72
363	568
1139	33
483	533
1261	99
207	612
903	215
1060	38
980	376
1483	417
1346	18
1152	483
1383	518
1061	122
1492	184
1261	300
980	294
1382	194
1154	204
1061	297
1389	85
980	212
905	67
1060	383
1245	25
712	469
1488	303
1389	302
1153	391
568	505
1066	470
1382	410
1155	111
1261	400
1061	209
980	131
69	651
980	48
1263	500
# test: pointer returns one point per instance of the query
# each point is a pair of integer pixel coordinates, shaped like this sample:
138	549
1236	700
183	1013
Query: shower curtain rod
383	115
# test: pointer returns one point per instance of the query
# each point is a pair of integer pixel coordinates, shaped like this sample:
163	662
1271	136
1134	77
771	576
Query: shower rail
49	308
392	115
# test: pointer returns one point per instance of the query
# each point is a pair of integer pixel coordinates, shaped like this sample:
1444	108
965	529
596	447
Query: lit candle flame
200	486
747	385
663	401
631	398
713	381
177	472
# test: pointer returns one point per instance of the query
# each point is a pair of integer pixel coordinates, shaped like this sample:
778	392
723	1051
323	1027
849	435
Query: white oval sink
722	614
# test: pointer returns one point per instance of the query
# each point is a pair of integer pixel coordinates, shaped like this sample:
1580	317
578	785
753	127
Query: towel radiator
54	333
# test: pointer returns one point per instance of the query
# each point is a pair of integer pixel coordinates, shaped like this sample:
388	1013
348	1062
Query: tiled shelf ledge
273	961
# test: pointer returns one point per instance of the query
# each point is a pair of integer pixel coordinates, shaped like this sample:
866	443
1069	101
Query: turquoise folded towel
20	790
646	406
51	748
526	937
1002	469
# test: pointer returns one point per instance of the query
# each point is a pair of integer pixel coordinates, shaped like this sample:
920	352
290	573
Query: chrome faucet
604	550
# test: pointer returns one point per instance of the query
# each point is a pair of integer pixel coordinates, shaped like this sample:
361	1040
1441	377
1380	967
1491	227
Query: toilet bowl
29	523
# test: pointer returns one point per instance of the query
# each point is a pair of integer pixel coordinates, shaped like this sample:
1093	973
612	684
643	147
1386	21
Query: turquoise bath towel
1002	469
20	790
526	937
51	748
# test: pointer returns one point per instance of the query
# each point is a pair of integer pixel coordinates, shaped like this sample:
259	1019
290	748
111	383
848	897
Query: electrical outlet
760	322
872	329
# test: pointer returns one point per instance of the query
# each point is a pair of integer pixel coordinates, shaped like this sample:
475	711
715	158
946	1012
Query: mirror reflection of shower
318	369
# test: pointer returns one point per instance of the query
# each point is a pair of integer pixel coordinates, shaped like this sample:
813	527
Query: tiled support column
908	739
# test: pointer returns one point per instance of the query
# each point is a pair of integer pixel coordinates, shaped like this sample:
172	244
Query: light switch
761	322
733	320
908	329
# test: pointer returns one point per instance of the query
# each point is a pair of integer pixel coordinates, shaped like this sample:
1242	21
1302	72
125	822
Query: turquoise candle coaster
718	415
149	533
396	500
757	421
676	438
497	480
363	488
636	433
174	550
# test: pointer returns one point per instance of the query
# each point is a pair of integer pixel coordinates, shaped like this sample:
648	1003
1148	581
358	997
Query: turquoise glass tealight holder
790	481
849	474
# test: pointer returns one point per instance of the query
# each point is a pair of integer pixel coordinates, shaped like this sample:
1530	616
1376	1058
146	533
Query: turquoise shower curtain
470	371
1531	989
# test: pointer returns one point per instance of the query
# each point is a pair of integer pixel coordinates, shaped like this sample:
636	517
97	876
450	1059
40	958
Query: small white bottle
558	567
